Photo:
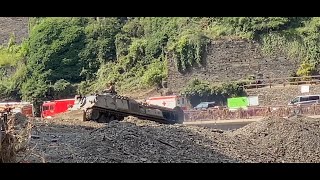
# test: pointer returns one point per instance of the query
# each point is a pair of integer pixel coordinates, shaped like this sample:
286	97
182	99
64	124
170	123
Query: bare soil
8	25
276	140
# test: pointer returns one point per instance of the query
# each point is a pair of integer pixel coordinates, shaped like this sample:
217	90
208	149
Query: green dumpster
238	102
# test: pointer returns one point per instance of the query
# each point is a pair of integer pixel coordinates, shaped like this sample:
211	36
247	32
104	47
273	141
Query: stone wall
232	61
8	25
279	95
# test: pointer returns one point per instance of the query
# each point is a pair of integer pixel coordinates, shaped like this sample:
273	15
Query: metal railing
283	81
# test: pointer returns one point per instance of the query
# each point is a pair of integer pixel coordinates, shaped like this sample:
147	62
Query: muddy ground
68	139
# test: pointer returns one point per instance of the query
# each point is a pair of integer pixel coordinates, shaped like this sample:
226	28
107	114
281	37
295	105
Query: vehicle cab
47	109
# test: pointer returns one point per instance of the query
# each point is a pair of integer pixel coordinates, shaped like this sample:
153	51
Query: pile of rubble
270	140
144	141
296	139
15	136
133	140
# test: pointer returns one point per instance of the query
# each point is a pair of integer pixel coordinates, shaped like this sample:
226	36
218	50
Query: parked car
307	99
205	105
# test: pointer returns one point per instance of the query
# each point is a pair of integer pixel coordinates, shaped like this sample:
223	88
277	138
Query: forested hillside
64	56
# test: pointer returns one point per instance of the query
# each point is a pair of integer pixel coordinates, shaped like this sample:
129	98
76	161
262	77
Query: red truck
54	107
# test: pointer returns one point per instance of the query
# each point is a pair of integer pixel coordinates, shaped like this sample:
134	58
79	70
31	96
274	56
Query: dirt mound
131	140
70	115
142	141
139	122
296	139
270	140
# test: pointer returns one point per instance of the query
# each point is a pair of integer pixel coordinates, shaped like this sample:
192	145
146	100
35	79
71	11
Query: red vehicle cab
51	108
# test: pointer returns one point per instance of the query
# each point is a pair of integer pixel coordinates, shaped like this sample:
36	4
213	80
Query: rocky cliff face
16	25
232	61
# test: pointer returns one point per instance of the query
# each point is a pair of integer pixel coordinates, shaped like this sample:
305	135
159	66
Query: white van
307	99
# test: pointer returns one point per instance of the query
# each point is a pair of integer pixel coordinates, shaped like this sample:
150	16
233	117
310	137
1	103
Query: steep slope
16	25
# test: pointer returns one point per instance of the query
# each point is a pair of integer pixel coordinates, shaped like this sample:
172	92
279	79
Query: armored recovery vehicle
107	107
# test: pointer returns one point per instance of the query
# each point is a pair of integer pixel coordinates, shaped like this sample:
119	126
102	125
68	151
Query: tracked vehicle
107	107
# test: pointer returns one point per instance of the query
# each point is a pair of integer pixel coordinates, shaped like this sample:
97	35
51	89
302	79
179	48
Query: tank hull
108	107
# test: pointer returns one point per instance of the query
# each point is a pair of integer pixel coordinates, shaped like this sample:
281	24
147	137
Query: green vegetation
11	54
188	51
64	56
12	68
199	91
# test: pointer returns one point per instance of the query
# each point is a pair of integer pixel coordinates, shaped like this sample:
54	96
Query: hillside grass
133	51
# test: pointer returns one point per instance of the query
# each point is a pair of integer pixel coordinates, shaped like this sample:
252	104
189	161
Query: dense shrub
198	91
133	52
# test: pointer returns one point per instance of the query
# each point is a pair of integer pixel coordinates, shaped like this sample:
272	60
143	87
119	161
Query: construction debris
270	140
279	140
143	141
131	140
15	137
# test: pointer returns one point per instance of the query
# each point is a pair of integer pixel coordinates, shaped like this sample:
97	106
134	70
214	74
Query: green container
239	102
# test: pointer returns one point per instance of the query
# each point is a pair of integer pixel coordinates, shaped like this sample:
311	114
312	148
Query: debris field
273	139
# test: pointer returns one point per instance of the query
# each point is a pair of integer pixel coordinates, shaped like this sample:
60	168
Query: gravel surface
134	140
142	141
279	140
